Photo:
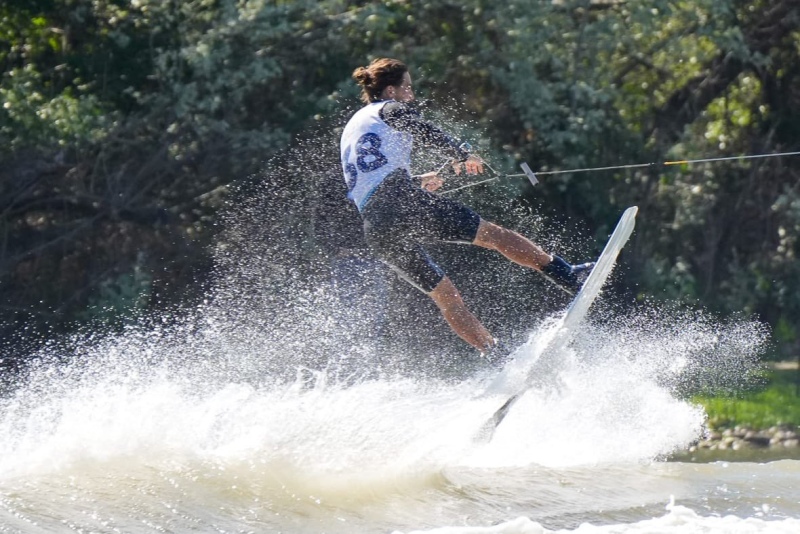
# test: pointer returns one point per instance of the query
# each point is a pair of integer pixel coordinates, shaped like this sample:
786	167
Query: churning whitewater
201	424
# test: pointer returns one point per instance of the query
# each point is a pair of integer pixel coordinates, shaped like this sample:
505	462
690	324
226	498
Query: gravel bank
739	438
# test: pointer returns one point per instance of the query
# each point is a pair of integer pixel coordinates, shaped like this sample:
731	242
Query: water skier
400	215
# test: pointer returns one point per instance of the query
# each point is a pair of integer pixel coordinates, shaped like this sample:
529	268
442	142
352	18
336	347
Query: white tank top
371	149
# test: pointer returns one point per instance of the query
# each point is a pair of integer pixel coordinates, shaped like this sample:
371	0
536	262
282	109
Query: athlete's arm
403	117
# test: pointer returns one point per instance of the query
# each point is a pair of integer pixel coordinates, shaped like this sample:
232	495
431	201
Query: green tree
124	124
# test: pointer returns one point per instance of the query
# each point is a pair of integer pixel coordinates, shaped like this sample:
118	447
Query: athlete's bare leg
512	245
460	319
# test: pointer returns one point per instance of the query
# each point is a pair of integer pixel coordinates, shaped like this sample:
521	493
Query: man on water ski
400	215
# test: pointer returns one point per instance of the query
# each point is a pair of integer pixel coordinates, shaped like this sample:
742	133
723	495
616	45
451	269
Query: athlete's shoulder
368	114
393	109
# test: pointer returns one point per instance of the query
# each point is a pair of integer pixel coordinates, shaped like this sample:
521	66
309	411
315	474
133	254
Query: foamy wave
677	520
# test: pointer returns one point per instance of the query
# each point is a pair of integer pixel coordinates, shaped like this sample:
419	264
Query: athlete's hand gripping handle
472	165
431	181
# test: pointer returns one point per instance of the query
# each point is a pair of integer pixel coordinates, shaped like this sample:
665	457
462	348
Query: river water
188	430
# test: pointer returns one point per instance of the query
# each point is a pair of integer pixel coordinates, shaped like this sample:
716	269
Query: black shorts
401	216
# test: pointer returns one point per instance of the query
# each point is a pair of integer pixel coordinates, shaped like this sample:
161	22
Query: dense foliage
124	122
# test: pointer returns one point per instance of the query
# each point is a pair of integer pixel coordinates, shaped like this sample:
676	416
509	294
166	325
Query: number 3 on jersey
369	157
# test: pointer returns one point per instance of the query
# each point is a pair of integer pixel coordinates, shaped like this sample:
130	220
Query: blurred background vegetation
125	126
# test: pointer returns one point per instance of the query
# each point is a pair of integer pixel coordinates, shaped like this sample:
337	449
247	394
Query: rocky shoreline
742	438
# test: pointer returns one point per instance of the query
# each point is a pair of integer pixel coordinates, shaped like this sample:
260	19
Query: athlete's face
403	92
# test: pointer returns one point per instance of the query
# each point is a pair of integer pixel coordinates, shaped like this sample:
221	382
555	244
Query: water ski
575	313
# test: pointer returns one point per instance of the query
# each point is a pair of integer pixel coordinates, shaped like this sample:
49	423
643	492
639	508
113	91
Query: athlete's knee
445	292
493	235
447	297
486	233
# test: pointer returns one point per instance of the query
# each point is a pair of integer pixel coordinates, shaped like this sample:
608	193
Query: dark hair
377	76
